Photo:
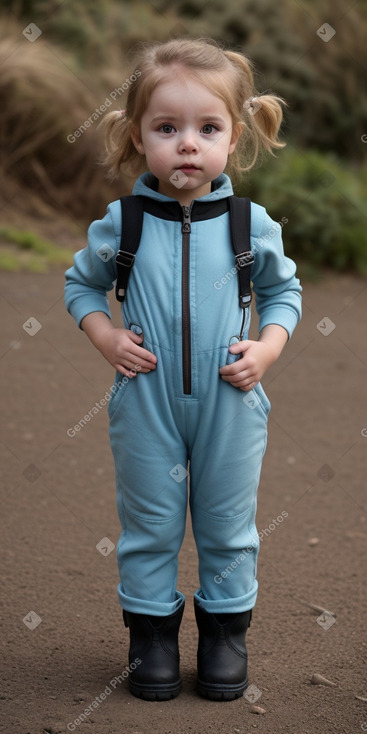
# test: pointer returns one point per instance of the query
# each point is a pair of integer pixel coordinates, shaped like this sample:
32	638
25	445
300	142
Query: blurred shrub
324	202
44	99
50	88
323	82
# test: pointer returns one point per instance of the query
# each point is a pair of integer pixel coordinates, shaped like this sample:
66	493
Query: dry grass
44	99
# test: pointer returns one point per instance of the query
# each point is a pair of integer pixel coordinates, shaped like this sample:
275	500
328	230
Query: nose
188	143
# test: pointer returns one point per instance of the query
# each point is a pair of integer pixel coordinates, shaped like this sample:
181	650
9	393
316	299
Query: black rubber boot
153	656
222	654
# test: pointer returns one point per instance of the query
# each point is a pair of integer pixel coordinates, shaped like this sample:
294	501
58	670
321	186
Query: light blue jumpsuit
183	292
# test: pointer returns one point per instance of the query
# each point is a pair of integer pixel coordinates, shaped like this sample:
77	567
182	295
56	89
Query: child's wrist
274	337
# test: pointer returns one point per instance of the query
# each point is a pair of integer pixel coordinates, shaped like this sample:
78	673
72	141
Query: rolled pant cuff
153	608
227	606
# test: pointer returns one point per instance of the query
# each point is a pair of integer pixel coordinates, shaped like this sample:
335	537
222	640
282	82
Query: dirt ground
58	504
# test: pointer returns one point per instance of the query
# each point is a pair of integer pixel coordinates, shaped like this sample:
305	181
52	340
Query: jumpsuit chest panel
154	298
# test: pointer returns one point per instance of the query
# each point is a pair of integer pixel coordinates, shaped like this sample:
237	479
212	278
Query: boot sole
153	692
221	692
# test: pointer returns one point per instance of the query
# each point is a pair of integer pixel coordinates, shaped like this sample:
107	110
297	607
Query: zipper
185	300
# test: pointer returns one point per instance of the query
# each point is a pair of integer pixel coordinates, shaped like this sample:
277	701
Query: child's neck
184	196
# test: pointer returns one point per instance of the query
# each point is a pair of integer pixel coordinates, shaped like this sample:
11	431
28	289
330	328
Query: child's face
186	135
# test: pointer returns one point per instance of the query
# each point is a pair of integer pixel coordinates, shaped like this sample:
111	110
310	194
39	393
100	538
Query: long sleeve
277	290
94	269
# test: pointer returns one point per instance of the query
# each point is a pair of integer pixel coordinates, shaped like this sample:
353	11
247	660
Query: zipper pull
186	224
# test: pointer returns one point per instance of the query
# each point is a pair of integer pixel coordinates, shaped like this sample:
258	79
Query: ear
236	132
136	138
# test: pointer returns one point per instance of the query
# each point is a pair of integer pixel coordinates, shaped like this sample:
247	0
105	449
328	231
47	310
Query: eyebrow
214	118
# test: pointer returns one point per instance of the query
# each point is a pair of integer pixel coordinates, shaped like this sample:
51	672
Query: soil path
58	503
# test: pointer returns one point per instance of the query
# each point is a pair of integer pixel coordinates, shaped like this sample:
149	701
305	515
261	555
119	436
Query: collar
165	207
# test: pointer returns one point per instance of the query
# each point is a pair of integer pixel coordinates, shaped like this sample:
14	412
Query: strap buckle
245	300
126	259
124	262
244	259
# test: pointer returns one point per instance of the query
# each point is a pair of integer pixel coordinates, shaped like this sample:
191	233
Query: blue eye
166	128
208	128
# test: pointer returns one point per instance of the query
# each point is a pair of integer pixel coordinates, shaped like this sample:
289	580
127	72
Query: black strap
132	212
240	222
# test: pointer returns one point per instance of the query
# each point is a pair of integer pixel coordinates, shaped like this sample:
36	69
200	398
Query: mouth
188	167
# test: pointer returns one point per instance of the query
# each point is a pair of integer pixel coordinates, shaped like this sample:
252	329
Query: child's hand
121	349
247	371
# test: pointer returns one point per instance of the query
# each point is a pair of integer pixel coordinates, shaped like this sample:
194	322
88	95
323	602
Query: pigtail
118	144
264	118
260	115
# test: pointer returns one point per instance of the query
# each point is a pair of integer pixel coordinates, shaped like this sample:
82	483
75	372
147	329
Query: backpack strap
132	213
240	223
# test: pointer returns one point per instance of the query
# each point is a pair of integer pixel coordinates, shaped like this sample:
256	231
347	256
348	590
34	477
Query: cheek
158	159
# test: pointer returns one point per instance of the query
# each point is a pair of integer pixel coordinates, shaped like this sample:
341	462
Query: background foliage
50	87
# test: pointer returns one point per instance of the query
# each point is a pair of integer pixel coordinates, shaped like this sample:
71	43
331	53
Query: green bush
324	203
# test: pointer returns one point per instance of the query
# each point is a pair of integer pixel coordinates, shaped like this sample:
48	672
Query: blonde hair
227	74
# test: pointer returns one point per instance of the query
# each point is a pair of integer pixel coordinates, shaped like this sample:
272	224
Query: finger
233	379
141	351
229	369
139	364
143	354
137	338
240	365
131	371
125	371
130	359
241	346
236	374
242	379
249	387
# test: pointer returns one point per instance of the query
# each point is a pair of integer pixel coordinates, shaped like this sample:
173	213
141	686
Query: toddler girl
182	396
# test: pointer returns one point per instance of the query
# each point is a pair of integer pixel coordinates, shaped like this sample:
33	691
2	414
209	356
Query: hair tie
122	112
252	105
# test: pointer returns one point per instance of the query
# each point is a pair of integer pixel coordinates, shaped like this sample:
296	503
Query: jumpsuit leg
151	481
229	441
